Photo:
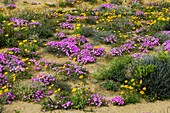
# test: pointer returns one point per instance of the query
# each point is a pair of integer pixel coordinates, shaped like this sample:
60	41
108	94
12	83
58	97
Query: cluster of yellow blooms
132	86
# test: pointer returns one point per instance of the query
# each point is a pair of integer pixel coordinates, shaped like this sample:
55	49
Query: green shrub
91	1
79	99
1	108
116	70
119	2
131	97
162	36
157	77
110	85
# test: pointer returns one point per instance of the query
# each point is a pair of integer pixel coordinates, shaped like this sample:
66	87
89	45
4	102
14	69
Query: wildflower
74	90
140	82
4	87
122	86
5	73
24	41
126	81
10	52
144	88
25	50
35	41
0	92
6	35
96	47
166	52
132	80
126	86
58	89
20	43
122	92
6	90
74	59
142	92
81	76
130	87
117	100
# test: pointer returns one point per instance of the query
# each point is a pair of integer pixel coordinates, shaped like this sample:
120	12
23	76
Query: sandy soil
144	107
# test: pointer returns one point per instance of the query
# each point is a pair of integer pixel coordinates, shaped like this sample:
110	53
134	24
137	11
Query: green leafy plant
116	70
157	79
110	85
79	99
131	97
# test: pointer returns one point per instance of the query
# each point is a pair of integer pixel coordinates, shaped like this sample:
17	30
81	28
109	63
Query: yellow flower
6	90
166	52
29	63
74	90
20	43
126	81
81	76
142	92
27	68
122	92
144	88
10	52
25	50
78	25
134	84
122	86
55	91
52	85
6	35
132	80
74	59
140	82
35	41
5	73
0	92
130	87
58	89
96	47
126	86
24	41
9	24
49	87
4	87
4	21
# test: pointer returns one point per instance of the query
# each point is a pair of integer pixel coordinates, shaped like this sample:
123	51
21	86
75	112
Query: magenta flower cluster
125	48
22	22
11	63
143	44
11	6
70	70
38	95
166	45
108	6
96	100
60	35
65	25
117	100
110	39
9	97
71	48
4	82
45	79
